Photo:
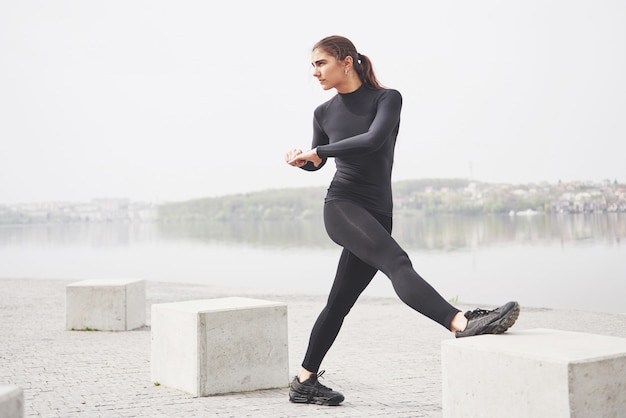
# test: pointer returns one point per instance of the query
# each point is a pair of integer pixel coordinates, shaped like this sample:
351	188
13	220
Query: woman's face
327	69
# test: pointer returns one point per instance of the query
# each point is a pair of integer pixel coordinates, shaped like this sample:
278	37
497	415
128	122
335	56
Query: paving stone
386	360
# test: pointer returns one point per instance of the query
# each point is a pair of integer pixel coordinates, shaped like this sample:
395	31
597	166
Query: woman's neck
351	85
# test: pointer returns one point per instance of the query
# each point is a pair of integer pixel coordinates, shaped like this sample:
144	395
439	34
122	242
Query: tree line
426	196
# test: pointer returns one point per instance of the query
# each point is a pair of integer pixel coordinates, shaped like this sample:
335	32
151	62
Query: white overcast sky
174	100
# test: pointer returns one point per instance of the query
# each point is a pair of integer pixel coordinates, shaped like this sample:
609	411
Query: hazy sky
173	100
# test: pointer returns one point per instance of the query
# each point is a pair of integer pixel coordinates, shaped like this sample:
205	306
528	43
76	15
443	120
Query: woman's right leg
352	277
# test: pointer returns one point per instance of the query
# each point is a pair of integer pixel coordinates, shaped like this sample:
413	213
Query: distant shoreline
424	196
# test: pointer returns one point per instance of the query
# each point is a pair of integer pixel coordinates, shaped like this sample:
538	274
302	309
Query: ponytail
365	70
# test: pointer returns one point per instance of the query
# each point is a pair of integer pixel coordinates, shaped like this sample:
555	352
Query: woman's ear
348	63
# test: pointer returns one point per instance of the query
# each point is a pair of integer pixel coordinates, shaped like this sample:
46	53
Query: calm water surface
562	262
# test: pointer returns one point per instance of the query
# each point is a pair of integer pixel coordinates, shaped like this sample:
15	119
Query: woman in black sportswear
358	128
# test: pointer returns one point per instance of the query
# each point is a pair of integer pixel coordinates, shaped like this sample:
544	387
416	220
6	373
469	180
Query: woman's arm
309	160
386	120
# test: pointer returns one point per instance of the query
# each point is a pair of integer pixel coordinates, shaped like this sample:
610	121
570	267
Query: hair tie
358	58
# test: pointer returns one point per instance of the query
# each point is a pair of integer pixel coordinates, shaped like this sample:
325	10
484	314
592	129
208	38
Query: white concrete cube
534	373
223	345
106	305
11	402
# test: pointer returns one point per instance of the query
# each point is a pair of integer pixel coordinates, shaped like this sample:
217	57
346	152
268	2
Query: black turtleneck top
359	130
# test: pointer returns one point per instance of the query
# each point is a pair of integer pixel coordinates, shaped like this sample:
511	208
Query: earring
346	72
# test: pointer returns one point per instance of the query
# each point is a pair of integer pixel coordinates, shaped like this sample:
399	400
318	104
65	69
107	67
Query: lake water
552	261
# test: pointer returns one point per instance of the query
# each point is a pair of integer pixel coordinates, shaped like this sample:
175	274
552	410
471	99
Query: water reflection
458	232
91	235
447	233
280	234
419	232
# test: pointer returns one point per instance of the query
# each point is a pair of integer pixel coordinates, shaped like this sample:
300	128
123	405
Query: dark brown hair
341	48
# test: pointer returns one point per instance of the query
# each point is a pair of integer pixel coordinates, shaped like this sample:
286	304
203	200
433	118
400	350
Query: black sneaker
312	391
481	321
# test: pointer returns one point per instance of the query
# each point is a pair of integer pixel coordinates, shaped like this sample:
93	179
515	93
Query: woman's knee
396	263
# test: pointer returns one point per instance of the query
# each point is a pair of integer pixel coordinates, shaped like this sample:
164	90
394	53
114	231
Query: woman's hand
297	158
291	158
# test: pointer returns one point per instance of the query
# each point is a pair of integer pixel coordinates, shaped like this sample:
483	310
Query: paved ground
386	360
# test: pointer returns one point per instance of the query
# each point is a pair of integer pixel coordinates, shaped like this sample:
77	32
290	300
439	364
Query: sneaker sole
299	398
507	320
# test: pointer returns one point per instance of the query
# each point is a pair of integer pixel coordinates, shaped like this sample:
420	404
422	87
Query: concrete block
223	345
534	373
11	402
106	305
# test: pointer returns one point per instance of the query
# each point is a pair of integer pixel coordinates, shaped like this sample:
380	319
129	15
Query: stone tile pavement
386	360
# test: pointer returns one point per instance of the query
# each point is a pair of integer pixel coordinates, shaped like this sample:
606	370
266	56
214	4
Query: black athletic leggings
367	247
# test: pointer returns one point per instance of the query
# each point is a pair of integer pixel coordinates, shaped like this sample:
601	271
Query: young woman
358	128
